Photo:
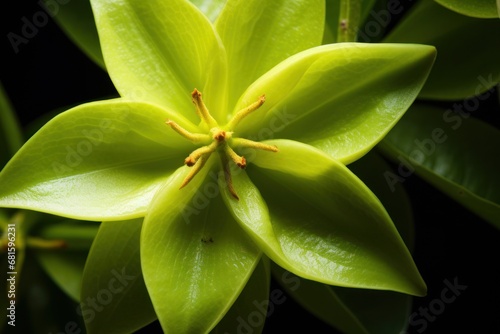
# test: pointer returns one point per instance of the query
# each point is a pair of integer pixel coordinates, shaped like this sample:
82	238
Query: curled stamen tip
262	98
242	164
273	148
196	94
169	122
189	161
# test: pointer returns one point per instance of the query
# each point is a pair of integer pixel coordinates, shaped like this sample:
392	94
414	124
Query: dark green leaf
453	152
77	21
468	50
474	8
11	138
65	268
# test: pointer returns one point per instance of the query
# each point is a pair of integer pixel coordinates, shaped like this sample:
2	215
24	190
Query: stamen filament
198	153
196	168
227	176
238	160
220	139
202	110
242	142
40	243
240	115
193	137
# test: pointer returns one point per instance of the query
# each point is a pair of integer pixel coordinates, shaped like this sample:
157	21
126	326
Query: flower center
219	139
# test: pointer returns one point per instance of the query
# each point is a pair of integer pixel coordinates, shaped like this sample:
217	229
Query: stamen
238	160
227	176
198	153
242	142
202	110
193	137
245	112
220	139
196	168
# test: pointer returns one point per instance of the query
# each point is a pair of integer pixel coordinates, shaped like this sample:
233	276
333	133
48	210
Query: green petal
76	19
196	259
462	42
361	310
98	161
374	171
211	8
449	150
249	312
260	34
314	97
474	8
114	298
321	221
159	51
11	138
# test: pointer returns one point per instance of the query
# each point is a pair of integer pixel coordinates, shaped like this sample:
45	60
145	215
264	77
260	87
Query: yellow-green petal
98	161
341	98
195	258
261	33
159	51
315	218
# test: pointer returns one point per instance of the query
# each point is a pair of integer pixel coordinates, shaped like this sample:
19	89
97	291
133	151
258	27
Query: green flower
256	165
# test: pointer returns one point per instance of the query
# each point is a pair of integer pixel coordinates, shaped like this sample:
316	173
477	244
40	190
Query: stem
349	20
39	243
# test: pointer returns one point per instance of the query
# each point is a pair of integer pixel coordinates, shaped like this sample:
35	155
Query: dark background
50	72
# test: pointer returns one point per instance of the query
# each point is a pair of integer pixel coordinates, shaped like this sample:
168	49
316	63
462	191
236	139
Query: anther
198	153
238	160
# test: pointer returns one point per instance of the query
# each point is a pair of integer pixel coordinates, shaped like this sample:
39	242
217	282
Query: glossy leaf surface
459	72
474	8
322	229
204	256
102	160
360	310
159	51
313	97
259	34
449	150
